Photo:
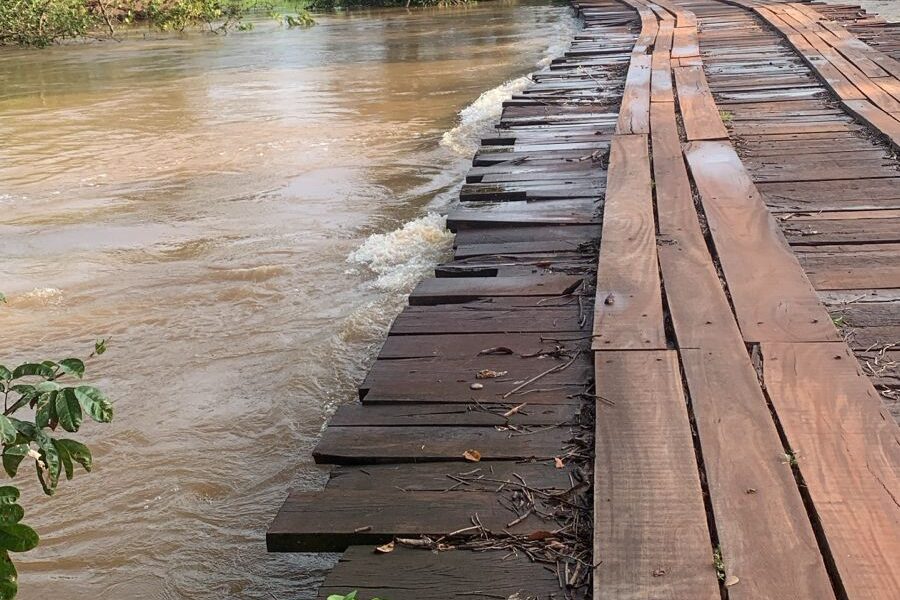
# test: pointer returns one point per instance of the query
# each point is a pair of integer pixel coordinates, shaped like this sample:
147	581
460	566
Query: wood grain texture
764	531
408	574
847	450
375	444
698	108
628	314
460	289
650	535
634	114
772	297
330	521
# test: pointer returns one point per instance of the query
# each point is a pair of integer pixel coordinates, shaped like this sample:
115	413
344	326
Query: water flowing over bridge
663	361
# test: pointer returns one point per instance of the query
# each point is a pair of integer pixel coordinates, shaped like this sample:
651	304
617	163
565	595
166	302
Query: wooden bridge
663	362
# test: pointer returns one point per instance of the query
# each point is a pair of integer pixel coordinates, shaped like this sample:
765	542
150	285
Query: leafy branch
52	395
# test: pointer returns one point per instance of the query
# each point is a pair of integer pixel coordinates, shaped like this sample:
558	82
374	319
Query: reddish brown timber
846	448
698	108
772	297
863	266
629	312
634	115
650	535
766	538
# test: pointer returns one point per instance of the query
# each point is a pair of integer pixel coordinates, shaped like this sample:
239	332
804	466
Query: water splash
400	258
476	119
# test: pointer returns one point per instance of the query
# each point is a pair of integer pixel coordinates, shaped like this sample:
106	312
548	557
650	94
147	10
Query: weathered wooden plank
650	534
373	445
453	415
772	297
697	303
634	115
485	476
765	534
847	449
460	289
629	315
446	380
331	521
407	574
474	345
698	108
494	315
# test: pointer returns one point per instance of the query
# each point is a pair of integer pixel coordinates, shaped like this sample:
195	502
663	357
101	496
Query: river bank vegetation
40	23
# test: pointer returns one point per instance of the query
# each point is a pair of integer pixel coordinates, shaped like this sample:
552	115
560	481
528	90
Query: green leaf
100	347
72	366
28	369
65	460
26	429
8	431
49	478
76	451
13	457
17	537
8	577
2	298
68	410
45	411
46	386
5	374
11	513
8	494
94	403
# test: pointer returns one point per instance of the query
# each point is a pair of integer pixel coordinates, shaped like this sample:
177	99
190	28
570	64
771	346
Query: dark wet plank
409	574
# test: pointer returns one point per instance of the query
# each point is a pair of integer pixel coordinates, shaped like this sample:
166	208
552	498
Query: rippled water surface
242	215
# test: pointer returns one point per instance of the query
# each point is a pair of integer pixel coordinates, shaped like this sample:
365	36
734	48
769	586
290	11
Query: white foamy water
476	119
400	258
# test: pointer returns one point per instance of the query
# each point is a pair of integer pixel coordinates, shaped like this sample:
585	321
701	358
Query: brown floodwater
243	217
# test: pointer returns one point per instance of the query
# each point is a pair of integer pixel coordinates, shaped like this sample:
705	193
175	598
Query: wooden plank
482	347
697	303
373	445
408	574
460	289
852	267
764	532
772	297
490	316
331	521
847	451
698	108
444	380
650	534
629	314
486	476
661	77
452	415
686	44
634	114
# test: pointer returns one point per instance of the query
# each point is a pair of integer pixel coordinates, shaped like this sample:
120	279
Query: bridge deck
650	369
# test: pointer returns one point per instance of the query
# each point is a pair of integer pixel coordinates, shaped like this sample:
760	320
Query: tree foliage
44	22
41	398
